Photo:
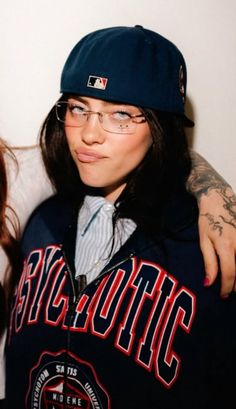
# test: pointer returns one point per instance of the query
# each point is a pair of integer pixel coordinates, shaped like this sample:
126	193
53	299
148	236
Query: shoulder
56	210
28	181
48	223
181	215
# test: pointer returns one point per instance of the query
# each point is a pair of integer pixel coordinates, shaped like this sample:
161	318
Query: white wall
36	37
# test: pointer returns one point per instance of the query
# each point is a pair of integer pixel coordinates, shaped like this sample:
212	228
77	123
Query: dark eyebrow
77	98
84	100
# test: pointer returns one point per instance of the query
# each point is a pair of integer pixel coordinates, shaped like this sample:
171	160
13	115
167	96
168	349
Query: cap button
138	26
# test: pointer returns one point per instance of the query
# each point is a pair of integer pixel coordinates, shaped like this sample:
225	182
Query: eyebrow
84	100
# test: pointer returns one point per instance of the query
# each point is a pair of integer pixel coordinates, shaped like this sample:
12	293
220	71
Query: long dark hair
9	235
161	174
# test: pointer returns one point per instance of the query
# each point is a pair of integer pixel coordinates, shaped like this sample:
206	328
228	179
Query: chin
91	182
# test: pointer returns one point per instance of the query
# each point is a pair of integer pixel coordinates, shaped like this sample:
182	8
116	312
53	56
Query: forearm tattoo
203	177
202	180
230	207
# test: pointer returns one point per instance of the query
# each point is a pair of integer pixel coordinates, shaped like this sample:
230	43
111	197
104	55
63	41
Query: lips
88	156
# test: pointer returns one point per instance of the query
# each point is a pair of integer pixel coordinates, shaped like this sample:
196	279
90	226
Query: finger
228	273
210	261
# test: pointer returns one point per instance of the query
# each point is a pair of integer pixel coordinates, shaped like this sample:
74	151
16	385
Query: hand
217	230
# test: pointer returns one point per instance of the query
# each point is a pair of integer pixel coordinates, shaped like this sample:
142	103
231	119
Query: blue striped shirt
96	242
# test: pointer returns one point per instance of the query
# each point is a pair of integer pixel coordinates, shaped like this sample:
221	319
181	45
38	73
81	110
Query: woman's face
105	159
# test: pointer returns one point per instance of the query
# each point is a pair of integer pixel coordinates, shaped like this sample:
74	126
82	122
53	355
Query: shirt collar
89	210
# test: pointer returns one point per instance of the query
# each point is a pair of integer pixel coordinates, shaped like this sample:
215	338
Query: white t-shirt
28	186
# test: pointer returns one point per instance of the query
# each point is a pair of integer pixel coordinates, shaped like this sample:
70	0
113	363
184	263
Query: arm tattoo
203	177
202	180
230	207
215	225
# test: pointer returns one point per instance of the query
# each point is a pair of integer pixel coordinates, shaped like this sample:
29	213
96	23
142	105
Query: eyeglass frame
101	114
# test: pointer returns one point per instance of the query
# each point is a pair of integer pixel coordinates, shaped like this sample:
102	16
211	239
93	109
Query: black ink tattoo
213	223
204	179
230	207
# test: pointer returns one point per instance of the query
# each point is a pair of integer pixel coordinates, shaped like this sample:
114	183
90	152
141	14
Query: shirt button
108	207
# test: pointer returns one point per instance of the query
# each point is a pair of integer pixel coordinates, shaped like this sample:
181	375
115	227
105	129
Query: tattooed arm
217	222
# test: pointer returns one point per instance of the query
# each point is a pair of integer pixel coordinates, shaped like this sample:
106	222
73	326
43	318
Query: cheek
139	148
148	142
129	150
132	154
69	136
71	140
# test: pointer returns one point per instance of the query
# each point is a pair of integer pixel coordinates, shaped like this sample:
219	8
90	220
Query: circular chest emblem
62	380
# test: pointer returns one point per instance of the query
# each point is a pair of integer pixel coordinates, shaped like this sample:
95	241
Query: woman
111	310
9	251
23	186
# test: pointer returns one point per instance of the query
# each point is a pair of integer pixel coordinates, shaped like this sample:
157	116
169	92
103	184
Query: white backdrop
36	37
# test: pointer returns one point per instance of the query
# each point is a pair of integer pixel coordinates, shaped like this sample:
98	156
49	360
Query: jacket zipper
73	303
76	295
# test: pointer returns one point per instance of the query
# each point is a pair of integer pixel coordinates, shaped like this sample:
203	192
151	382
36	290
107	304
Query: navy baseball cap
131	65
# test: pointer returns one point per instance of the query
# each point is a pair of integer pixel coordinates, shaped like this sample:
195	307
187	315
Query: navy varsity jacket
146	334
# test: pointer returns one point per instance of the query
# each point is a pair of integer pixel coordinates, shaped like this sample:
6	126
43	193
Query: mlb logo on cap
97	82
